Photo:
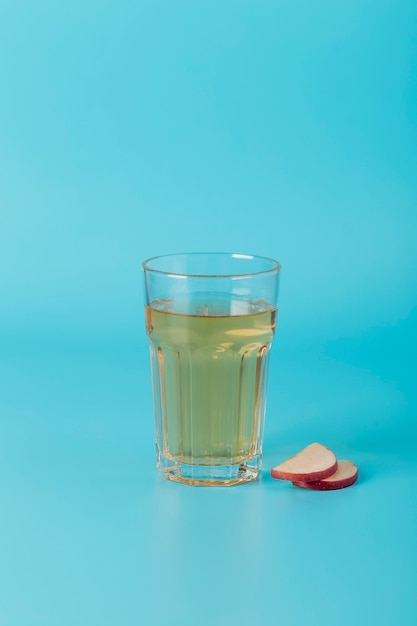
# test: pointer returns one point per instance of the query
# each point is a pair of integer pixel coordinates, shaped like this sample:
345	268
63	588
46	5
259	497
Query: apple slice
312	463
345	475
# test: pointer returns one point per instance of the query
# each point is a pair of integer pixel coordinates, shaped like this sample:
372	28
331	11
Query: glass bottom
210	475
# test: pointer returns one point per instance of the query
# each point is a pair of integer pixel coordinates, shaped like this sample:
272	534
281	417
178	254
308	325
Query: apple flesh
345	475
313	463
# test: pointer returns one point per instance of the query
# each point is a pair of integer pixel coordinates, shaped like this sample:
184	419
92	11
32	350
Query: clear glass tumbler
210	320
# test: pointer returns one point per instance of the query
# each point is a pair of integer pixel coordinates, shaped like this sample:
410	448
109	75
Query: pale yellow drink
209	376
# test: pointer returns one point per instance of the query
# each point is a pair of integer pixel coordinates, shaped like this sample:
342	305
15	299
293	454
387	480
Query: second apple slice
345	476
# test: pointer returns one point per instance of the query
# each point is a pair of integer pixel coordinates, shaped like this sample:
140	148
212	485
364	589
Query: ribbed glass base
210	475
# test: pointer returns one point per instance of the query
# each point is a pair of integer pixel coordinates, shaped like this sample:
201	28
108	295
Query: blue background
136	128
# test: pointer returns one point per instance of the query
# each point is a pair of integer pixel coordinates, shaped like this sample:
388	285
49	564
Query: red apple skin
279	472
345	476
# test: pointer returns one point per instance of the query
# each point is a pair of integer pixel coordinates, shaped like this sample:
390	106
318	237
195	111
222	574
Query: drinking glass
210	320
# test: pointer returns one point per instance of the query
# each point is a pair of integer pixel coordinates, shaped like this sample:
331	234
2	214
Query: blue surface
133	129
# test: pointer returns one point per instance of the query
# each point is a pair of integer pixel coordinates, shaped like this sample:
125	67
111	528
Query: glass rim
275	265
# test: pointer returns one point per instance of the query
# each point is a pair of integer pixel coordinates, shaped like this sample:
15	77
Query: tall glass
210	319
